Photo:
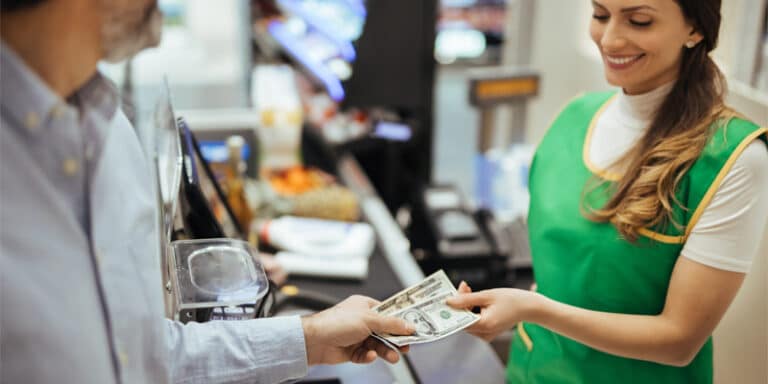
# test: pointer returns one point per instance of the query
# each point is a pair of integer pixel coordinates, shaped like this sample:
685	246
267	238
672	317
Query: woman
622	185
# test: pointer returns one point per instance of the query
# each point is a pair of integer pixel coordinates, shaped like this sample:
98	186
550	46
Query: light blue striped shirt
80	281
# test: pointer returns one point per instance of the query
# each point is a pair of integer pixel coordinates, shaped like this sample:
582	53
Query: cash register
468	245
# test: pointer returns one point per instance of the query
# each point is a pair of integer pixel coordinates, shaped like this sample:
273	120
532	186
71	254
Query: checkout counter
457	359
398	168
391	267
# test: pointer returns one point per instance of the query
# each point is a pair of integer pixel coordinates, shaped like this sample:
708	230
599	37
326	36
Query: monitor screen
207	213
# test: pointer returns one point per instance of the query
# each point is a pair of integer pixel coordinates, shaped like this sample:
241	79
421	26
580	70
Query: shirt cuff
270	350
285	349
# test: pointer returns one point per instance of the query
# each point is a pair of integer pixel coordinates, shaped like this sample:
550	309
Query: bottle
275	97
235	185
319	239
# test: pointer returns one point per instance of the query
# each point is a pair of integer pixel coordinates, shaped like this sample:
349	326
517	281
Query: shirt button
32	121
58	111
70	166
123	357
89	152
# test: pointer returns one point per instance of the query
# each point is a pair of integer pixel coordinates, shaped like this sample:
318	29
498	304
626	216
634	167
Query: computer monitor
204	207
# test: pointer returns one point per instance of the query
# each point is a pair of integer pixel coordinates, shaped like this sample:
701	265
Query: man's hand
343	333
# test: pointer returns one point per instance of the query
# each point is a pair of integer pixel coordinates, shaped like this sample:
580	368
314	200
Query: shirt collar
31	103
642	108
24	96
99	95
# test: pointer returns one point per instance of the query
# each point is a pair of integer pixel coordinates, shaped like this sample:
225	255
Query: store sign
500	87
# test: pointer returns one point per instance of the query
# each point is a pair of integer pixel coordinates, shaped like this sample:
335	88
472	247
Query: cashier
647	208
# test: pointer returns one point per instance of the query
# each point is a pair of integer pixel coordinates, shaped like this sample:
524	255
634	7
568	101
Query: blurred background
438	104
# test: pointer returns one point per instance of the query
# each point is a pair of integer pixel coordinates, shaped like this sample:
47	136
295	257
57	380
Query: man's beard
126	33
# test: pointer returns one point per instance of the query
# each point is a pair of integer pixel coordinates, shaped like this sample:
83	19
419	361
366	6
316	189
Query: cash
423	305
433	285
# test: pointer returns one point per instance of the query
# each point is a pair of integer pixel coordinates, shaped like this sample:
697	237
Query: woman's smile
621	62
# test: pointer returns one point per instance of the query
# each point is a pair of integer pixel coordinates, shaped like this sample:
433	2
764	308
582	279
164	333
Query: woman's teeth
622	60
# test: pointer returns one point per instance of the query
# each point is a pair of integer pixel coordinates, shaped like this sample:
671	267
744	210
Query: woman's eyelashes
641	23
634	22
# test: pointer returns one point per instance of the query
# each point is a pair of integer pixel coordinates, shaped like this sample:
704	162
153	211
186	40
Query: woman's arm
697	298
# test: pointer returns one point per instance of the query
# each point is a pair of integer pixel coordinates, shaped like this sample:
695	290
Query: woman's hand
274	270
500	309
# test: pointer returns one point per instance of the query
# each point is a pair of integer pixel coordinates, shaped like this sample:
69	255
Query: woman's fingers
485	333
464	287
487	336
469	300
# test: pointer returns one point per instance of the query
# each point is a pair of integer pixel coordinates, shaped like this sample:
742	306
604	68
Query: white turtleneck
729	232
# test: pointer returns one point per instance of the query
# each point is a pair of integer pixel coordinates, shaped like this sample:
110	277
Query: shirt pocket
520	352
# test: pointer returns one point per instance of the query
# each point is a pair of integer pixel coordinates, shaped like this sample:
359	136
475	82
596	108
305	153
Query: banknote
433	285
433	320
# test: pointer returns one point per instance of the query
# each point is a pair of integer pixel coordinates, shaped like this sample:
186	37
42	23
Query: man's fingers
390	356
368	357
372	302
363	355
357	354
464	287
367	351
389	324
384	351
469	300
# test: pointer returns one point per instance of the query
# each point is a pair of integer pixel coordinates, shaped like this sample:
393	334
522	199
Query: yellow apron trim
613	176
720	176
662	238
707	197
605	174
524	336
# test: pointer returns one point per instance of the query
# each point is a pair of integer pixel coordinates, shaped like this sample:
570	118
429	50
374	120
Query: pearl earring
690	44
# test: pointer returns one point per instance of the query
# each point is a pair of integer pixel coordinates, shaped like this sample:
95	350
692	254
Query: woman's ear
694	38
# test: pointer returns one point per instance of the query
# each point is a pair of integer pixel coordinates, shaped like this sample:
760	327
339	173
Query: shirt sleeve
730	230
253	351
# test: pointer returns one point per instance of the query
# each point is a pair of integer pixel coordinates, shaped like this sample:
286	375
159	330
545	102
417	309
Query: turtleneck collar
640	109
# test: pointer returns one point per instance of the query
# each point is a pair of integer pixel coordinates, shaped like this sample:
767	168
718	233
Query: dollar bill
433	320
433	285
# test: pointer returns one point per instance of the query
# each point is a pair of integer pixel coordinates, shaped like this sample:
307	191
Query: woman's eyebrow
637	8
627	9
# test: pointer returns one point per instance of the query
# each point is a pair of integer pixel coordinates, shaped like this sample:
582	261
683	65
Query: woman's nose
613	37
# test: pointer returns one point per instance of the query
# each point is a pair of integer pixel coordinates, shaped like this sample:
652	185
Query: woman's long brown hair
645	195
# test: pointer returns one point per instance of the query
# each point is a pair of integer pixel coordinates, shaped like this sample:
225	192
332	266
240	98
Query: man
79	267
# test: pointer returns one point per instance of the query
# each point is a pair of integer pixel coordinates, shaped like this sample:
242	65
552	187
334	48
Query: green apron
587	264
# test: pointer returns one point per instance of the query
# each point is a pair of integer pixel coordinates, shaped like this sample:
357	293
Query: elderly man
79	266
